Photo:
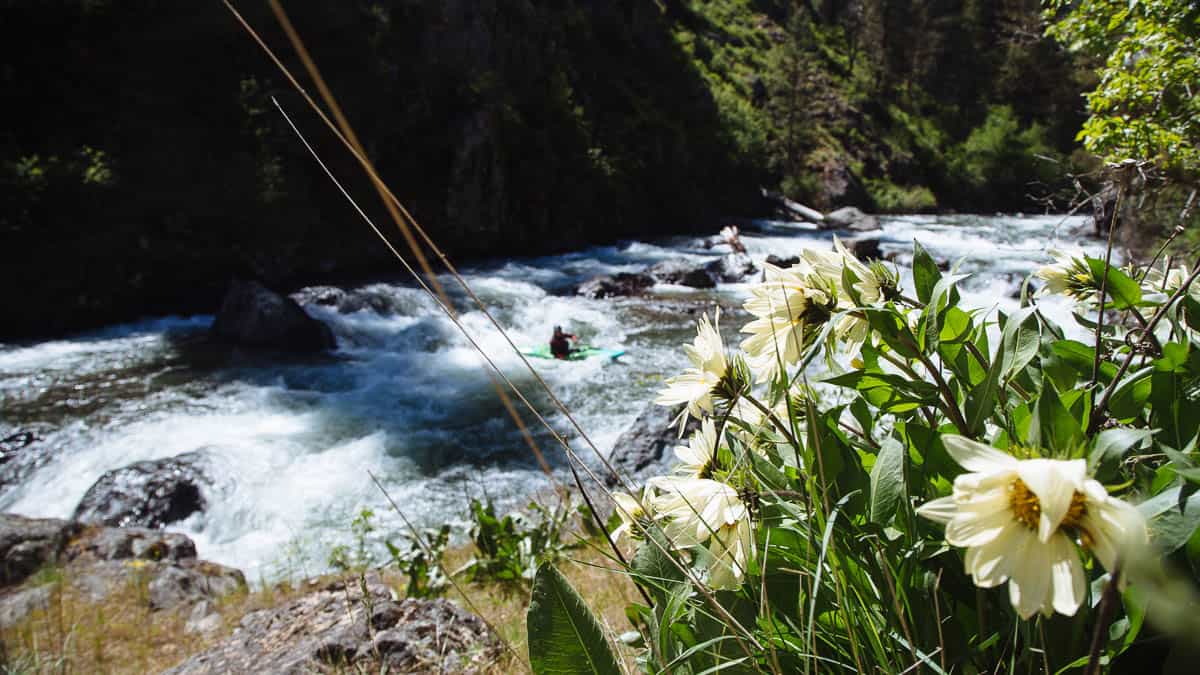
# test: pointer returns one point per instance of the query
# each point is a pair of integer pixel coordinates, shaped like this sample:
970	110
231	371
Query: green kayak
577	353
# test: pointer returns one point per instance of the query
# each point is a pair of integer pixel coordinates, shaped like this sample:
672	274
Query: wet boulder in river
152	493
864	248
732	267
850	218
682	273
646	447
253	315
783	263
615	285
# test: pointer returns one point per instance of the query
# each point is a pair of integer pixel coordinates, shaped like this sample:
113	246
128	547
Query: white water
406	396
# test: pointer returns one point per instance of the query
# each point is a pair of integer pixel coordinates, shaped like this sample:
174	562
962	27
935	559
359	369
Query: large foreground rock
646	448
344	627
152	493
253	315
615	285
102	560
27	544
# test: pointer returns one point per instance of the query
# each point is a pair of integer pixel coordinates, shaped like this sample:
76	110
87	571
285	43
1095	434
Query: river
405	396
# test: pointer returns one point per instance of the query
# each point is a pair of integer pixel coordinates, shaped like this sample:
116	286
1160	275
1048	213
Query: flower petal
1055	483
1068	577
974	456
1029	582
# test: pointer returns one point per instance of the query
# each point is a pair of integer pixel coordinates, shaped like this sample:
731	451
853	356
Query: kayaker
559	345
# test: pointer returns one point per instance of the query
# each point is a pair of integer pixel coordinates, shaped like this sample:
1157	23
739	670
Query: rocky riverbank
112	587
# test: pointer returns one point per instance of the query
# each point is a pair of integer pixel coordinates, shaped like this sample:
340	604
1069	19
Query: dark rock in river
346	626
345	301
783	262
682	273
152	493
646	447
732	267
20	454
864	248
615	285
253	315
851	218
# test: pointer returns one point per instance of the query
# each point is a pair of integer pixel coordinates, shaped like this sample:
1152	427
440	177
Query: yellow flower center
1027	509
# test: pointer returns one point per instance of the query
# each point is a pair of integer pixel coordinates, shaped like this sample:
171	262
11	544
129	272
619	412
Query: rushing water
405	396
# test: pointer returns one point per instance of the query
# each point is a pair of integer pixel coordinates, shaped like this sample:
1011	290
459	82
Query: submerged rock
152	493
864	248
344	625
615	285
20	454
346	301
732	267
646	447
783	263
253	315
682	273
851	218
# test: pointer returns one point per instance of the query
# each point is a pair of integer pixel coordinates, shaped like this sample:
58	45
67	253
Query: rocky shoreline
329	624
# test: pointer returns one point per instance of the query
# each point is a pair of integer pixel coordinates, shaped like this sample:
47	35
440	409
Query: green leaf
1173	515
564	636
1122	291
1112	444
925	272
1020	342
887	481
1058	429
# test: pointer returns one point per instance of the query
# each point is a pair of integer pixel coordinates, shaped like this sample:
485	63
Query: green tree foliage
1144	106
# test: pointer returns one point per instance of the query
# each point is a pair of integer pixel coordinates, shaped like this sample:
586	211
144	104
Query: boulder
16	606
20	454
850	218
26	544
647	447
732	267
615	285
682	273
864	248
125	543
253	315
152	493
352	626
346	301
783	262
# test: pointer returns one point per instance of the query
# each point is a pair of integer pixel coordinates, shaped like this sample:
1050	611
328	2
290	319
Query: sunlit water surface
405	396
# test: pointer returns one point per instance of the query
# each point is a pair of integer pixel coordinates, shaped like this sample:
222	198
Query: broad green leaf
1112	444
887	481
1020	342
925	273
1058	429
1174	516
1121	291
653	569
1080	357
564	636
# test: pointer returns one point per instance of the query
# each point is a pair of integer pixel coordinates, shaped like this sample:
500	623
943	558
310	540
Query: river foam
406	397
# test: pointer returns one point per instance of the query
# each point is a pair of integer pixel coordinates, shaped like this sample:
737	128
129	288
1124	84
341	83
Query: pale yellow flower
699	510
697	457
1167	280
695	386
1019	521
632	516
1068	275
789	306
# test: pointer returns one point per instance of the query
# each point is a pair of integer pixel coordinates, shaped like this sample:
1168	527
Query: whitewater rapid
405	396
